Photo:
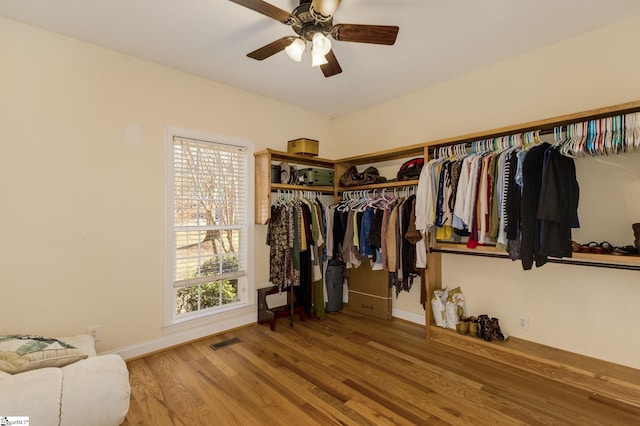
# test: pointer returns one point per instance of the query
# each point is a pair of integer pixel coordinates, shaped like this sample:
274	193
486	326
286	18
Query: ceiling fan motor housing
306	23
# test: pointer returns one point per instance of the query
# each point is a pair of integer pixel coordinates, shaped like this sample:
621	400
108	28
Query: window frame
245	290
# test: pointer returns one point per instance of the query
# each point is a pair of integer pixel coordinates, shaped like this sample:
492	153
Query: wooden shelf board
389	154
297	158
586	259
603	378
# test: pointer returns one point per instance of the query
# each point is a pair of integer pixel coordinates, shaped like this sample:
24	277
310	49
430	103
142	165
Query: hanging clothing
531	188
407	249
382	230
296	235
365	229
340	222
558	206
514	210
391	239
504	170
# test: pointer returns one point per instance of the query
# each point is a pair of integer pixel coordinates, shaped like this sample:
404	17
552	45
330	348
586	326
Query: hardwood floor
353	370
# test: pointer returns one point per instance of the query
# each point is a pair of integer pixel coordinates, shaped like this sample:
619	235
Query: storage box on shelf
303	146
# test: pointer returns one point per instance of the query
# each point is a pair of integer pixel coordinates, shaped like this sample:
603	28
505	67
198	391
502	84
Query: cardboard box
369	292
303	146
376	306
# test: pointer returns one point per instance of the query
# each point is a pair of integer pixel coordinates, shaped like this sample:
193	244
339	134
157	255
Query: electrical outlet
523	322
94	331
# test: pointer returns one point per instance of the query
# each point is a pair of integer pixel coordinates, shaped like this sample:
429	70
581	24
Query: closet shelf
583	259
295	158
263	182
387	155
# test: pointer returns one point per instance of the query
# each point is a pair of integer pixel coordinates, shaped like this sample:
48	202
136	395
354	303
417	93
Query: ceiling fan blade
271	49
375	34
332	67
267	9
324	8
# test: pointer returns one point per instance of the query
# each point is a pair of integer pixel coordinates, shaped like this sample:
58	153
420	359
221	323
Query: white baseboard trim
185	336
178	338
409	316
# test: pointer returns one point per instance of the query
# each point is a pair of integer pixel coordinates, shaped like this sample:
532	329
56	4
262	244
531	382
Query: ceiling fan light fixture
296	49
317	58
321	44
323	10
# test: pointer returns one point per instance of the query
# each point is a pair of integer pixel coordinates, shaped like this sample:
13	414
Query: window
207	212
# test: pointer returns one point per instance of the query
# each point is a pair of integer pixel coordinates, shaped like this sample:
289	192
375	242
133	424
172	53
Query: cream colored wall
587	310
82	216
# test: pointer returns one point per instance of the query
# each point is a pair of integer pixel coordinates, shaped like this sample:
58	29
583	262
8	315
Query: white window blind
209	223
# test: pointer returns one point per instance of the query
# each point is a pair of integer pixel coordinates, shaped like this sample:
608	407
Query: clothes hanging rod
468	142
564	261
543	129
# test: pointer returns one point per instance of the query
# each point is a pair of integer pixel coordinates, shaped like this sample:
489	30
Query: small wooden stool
270	315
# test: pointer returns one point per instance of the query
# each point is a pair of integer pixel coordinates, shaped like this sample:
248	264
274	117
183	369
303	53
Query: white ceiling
438	40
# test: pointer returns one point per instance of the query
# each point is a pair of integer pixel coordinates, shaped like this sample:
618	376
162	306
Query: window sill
226	314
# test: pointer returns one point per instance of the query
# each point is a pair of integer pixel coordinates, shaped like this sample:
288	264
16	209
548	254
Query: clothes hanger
628	131
354	200
576	140
363	202
600	148
449	152
578	147
636	131
343	205
461	150
592	138
617	143
529	140
595	132
557	136
565	147
382	200
374	199
607	136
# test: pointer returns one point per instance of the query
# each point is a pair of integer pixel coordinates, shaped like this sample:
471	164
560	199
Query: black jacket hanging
530	225
558	207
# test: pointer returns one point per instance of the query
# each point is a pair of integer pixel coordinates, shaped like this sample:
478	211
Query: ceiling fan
312	21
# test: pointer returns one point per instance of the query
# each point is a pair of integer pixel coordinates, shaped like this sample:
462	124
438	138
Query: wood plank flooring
352	370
